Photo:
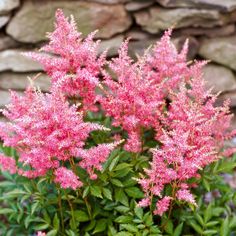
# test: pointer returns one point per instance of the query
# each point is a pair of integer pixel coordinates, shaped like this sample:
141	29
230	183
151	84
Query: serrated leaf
41	227
6	211
134	192
224	229
122	166
130	228
85	192
56	222
124	219
96	191
178	230
101	226
81	216
107	193
138	212
117	182
120	196
122	209
196	227
210	232
113	163
52	233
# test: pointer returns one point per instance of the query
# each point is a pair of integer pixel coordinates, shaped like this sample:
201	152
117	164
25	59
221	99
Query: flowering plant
114	143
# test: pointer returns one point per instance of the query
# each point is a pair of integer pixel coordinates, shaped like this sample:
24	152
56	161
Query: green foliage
108	205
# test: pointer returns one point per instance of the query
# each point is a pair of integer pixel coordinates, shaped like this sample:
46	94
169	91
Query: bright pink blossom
44	129
72	61
40	233
67	178
162	205
185	195
195	130
93	158
8	164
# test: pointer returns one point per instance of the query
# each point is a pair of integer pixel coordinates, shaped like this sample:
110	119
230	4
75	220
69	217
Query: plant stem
60	209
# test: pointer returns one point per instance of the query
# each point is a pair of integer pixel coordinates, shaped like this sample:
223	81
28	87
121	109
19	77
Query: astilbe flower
8	164
165	65
131	99
72	62
195	130
93	158
46	130
67	178
136	96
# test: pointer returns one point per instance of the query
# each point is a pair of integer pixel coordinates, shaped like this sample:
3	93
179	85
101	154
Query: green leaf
35	205
206	185
212	223
226	167
224	229
124	233
6	211
134	192
101	226
107	193
117	182
122	166
232	223
52	232
114	162
210	232
41	227
124	219
96	191
120	196
81	216
169	227
85	192
208	213
178	230
138	212
199	219
130	228
122	209
195	226
56	222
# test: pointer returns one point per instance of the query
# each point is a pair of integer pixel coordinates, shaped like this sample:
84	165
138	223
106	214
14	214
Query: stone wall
209	25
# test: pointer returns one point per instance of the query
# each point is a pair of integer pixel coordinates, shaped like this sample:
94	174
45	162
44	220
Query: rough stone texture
138	4
8	5
109	19
219	78
193	45
139	47
222	5
231	96
156	19
13	60
20	81
7	42
112	45
109	1
136	34
221	50
211	33
5	98
4	20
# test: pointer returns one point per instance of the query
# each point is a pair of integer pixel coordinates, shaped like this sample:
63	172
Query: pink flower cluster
135	99
193	138
72	62
47	132
159	92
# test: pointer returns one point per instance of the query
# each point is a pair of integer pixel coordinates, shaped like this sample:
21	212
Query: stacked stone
209	25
